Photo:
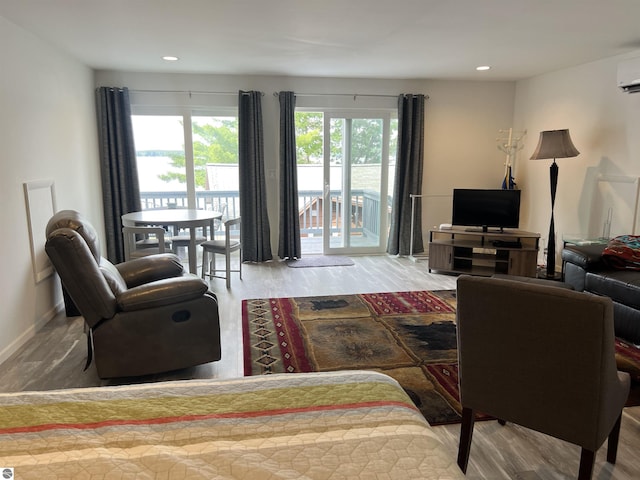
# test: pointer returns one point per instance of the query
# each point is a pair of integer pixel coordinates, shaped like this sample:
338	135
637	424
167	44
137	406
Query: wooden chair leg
466	434
228	268
587	460
612	445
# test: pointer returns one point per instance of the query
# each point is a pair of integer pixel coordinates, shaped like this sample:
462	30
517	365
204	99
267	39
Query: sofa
589	268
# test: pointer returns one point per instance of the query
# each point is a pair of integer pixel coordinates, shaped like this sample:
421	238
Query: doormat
410	336
320	261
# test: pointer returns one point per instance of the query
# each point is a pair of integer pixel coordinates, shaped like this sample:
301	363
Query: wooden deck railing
364	211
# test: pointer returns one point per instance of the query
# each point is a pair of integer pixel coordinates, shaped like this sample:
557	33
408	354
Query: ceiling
436	39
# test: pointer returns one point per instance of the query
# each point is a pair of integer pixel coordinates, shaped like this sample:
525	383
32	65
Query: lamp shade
554	144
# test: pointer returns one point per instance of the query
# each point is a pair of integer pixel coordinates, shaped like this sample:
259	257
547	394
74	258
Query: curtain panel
408	176
120	187
289	244
256	233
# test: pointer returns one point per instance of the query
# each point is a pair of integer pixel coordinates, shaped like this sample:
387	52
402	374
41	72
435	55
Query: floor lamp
553	144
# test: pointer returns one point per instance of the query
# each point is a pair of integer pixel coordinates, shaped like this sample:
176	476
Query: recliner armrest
162	292
149	269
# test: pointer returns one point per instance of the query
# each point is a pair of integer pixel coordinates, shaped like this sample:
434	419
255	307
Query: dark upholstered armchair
143	316
541	357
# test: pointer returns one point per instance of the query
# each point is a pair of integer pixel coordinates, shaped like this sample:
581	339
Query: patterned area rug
410	336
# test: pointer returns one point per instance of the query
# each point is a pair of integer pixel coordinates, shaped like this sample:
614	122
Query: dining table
177	218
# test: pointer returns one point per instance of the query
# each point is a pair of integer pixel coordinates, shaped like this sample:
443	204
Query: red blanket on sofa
623	252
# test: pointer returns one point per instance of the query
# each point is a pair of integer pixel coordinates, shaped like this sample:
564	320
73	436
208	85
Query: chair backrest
76	222
134	249
538	356
224	212
233	225
74	250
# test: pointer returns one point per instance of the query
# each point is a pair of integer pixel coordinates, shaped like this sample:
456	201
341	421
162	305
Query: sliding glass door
357	159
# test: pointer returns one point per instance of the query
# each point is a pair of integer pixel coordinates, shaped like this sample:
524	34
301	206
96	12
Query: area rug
410	336
320	261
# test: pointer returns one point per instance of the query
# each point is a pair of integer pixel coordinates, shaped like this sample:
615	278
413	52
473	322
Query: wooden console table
456	250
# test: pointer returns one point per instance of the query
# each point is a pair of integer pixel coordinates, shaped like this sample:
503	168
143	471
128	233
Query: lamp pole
551	241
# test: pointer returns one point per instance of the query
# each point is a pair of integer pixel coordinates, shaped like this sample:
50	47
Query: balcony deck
363	212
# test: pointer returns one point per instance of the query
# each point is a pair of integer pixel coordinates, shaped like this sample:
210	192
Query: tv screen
486	208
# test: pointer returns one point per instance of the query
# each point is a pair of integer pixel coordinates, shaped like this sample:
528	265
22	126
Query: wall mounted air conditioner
629	75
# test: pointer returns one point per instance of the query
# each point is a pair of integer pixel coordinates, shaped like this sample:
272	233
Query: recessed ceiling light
482	68
170	58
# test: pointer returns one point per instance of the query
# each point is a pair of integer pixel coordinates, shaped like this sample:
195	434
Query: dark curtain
289	245
256	233
408	177
120	188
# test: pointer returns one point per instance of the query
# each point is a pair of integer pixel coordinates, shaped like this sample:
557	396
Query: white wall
47	132
604	126
463	120
462	123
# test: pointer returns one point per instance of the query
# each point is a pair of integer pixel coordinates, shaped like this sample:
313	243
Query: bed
352	424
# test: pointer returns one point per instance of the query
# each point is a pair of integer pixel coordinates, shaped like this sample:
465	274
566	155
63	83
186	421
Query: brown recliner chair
143	316
542	357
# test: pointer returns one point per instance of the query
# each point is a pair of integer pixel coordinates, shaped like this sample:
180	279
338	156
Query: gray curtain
408	178
120	188
256	233
289	245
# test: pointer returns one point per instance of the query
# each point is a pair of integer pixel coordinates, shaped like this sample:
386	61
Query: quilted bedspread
306	426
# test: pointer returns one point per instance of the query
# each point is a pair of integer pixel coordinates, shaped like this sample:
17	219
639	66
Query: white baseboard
28	334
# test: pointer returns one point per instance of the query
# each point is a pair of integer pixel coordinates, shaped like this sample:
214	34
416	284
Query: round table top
174	216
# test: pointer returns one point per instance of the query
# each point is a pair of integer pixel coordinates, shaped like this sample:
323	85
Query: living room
49	132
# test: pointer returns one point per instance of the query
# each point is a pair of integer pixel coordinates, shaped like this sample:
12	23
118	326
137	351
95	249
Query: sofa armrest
149	269
588	257
168	291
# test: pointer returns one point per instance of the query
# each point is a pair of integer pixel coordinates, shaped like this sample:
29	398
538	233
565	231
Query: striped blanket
319	425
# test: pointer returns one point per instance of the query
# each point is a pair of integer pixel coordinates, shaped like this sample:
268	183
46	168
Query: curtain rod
275	94
354	95
190	92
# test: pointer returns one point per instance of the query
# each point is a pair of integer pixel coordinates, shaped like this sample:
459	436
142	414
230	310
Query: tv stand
484	229
477	252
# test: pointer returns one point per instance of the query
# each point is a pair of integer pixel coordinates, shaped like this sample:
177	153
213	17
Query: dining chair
144	241
541	357
179	239
223	247
218	223
183	240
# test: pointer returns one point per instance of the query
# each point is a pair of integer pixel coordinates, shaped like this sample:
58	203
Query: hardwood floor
55	358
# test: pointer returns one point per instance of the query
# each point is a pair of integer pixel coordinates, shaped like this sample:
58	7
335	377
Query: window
159	140
188	160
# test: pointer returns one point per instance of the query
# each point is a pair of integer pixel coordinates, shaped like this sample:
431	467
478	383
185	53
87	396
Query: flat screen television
486	208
